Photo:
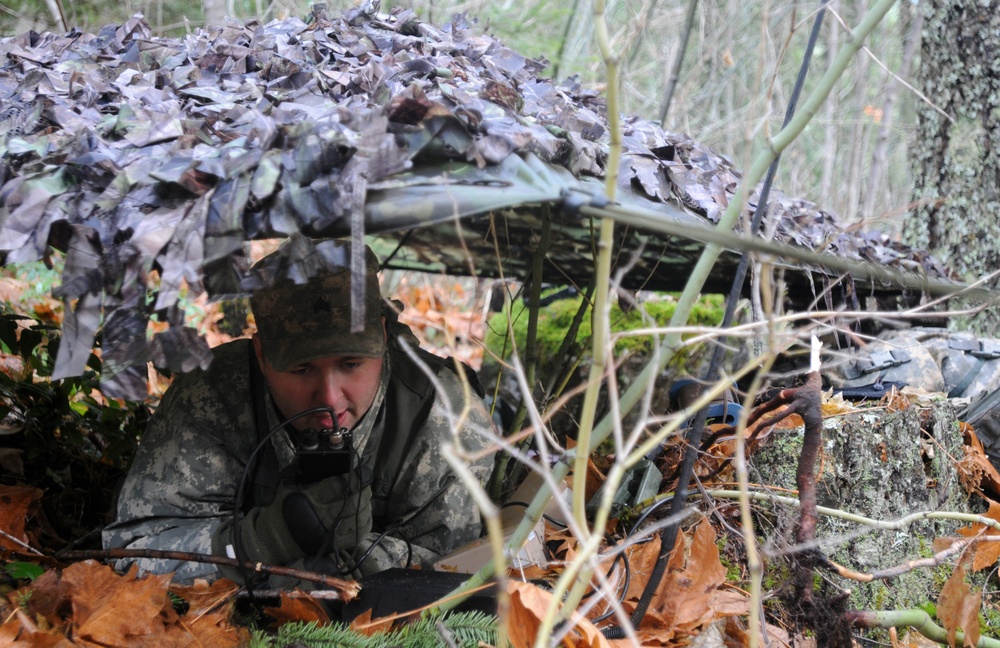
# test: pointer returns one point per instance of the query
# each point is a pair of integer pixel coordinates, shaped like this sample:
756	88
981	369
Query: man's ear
258	349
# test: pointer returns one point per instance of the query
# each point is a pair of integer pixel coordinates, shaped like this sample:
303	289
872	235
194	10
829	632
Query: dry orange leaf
113	610
363	624
46	597
791	422
27	635
836	404
974	469
17	503
595	479
528	605
110	610
298	608
730	603
203	597
688	597
684	596
214	630
986	553
959	607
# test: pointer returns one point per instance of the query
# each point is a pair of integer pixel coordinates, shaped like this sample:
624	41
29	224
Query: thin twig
889	525
21	543
347	589
904	568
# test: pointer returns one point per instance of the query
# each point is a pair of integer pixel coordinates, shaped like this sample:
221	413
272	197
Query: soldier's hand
331	515
334	514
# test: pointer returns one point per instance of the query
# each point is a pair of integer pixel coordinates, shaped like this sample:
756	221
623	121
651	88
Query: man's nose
330	391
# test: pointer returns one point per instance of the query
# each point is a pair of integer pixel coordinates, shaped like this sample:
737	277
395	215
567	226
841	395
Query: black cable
376	542
624	590
240	555
399	524
646	513
668	536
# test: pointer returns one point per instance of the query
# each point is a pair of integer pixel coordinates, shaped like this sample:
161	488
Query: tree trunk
956	160
879	178
215	12
829	182
859	132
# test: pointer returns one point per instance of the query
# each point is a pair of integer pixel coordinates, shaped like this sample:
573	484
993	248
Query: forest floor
63	450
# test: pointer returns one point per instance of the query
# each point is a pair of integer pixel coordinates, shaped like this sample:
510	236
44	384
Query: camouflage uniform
183	484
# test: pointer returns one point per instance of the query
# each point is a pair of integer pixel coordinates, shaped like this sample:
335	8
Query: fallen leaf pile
88	604
443	317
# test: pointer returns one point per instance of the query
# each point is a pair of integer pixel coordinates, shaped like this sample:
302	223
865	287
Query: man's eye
299	371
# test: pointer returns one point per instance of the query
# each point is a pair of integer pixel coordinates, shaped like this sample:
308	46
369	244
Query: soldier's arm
444	513
181	485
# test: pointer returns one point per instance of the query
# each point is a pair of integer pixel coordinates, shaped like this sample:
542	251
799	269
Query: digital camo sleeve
182	483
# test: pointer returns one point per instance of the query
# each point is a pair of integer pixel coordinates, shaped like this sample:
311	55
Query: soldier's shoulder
224	384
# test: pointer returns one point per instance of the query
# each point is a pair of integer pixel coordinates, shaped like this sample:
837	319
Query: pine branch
466	630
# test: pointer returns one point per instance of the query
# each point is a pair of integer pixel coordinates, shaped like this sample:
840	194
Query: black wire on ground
668	536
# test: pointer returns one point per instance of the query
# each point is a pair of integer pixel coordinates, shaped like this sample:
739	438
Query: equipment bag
931	359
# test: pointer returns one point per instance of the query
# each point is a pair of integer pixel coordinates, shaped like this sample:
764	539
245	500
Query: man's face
345	384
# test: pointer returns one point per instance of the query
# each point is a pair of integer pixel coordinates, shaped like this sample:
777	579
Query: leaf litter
88	604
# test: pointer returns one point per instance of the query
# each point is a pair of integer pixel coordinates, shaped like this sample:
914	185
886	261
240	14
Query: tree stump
882	465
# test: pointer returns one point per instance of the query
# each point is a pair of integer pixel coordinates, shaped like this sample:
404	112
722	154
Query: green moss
555	319
776	574
940	575
734	571
989	621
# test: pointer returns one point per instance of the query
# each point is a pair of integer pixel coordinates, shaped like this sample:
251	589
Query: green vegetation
556	318
74	441
464	629
23	570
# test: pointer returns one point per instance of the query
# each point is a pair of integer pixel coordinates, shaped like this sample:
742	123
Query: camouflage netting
151	160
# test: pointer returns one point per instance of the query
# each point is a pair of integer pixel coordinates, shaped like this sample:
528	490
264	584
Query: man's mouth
324	421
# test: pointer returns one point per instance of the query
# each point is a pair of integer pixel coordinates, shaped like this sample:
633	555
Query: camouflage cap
299	322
